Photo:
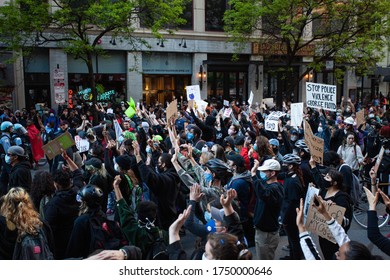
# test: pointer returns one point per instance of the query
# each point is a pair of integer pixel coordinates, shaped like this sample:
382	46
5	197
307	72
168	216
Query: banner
53	148
321	96
272	121
316	223
296	114
81	144
193	92
314	143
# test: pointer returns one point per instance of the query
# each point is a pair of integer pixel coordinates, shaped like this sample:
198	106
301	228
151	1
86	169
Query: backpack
105	234
33	247
356	188
158	249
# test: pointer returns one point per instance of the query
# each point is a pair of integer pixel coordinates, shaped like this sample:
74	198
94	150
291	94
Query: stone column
134	76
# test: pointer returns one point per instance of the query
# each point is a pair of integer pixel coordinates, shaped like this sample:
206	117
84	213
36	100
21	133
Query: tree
349	32
79	25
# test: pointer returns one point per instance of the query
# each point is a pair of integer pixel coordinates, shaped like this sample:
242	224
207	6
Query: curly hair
42	185
18	209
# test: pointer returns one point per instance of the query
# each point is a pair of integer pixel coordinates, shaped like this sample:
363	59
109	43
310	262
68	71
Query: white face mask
230	132
320	129
117	168
204	257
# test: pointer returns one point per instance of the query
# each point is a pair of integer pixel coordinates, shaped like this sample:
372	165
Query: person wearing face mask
275	148
20	174
242	183
269	197
351	153
163	185
294	190
294	136
193	136
234	131
331	190
124	167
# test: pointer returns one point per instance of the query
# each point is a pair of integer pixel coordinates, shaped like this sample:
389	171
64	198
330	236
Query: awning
383	71
386	78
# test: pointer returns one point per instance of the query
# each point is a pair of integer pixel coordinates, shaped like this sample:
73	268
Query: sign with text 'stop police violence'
321	96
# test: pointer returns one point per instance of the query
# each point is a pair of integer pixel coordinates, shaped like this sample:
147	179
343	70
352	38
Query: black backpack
158	249
33	247
105	235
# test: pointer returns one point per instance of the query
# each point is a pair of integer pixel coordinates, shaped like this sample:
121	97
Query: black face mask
275	150
284	168
327	184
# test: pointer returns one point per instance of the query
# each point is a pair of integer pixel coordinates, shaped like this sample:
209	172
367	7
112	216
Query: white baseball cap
270	164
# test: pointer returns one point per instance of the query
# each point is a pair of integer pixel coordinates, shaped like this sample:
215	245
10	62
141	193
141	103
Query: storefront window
215	10
227	85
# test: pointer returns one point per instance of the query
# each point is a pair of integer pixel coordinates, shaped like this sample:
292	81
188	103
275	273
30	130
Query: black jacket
165	186
269	199
60	213
20	176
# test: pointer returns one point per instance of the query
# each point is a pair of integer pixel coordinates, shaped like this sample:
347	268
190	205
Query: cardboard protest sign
191	104
193	92
269	102
250	100
321	96
314	143
272	121
316	223
172	110
81	144
359	118
53	148
296	114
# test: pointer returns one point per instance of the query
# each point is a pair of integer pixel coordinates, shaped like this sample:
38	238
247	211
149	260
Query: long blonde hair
19	211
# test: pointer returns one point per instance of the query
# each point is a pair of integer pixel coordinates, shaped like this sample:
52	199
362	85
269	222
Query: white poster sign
321	96
311	191
81	144
296	114
250	100
272	121
193	92
227	112
226	103
201	106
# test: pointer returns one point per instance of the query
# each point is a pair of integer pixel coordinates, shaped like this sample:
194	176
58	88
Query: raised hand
195	193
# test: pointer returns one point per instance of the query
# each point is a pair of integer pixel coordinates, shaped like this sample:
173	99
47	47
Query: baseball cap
274	142
270	164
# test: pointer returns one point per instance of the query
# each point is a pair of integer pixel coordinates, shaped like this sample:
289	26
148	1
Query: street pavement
356	233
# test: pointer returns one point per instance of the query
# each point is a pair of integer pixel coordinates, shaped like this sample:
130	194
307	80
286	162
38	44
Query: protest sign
321	96
53	148
269	102
193	92
226	103
191	104
110	111
130	112
379	159
314	143
250	100
172	110
201	106
118	130
311	191
81	144
272	121
227	112
296	114
316	223
359	118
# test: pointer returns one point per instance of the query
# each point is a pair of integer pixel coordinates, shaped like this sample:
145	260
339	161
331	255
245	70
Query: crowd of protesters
217	174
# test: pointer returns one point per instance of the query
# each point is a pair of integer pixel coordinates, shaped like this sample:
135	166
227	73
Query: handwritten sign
296	114
316	223
172	110
193	92
272	121
227	112
321	96
53	148
81	144
314	143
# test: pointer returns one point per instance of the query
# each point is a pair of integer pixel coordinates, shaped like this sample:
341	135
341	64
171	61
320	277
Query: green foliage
351	32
